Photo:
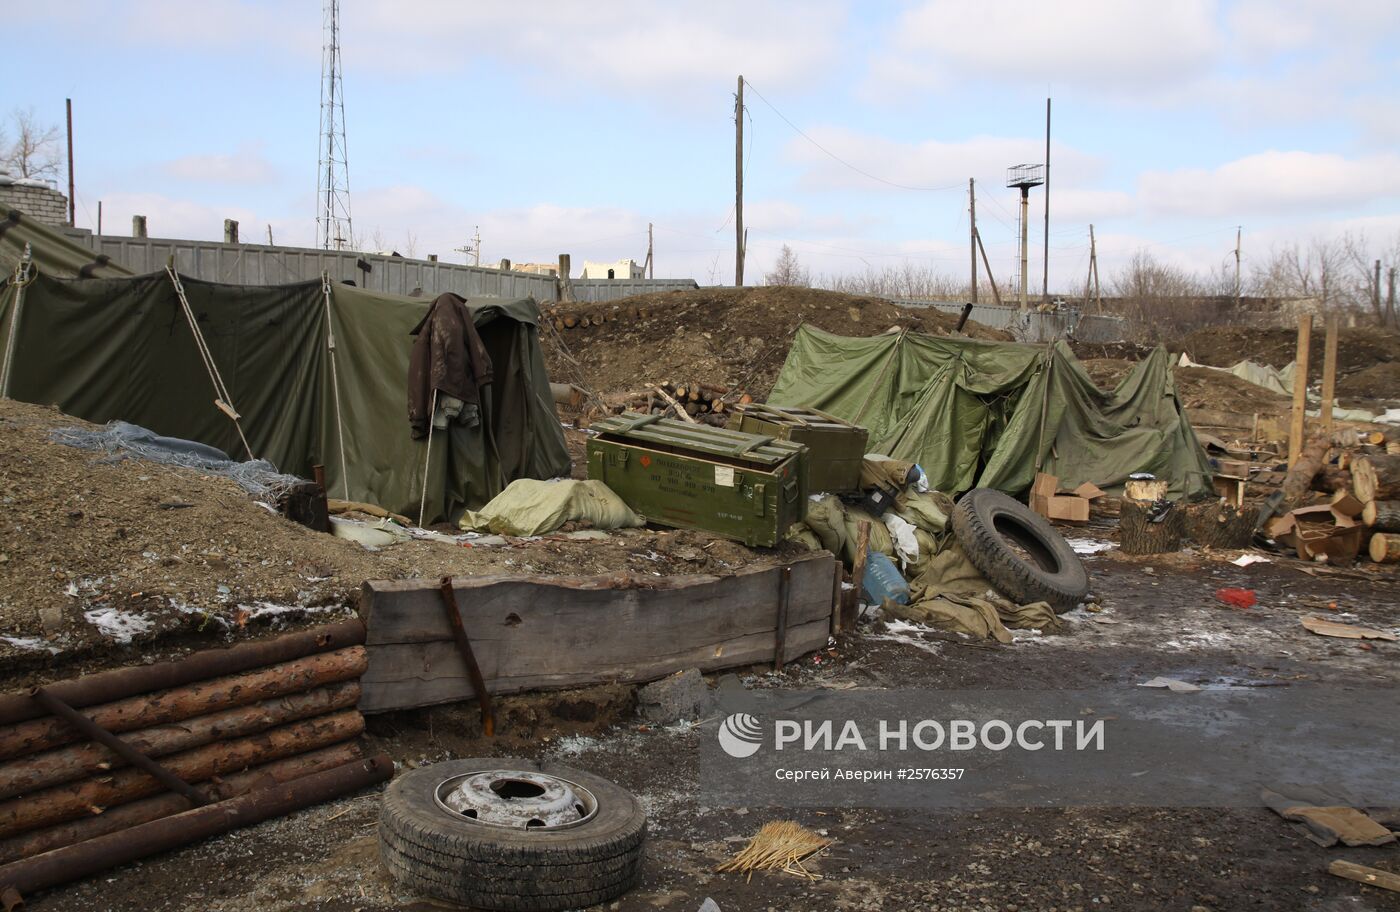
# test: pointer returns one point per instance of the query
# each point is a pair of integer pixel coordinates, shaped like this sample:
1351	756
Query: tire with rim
1018	551
436	852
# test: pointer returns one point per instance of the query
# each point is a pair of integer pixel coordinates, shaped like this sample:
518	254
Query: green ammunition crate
740	486
835	447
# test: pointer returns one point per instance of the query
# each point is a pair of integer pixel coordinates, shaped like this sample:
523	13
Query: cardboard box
1089	491
1233	468
1044	485
1346	504
1069	508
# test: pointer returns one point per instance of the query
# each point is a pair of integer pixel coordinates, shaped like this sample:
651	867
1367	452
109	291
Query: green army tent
316	371
974	413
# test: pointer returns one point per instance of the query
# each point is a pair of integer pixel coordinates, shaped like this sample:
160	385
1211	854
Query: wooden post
1372	877
566	288
739	238
138	226
972	233
1329	373
781	625
651	264
1297	427
72	194
230	231
996	294
504	265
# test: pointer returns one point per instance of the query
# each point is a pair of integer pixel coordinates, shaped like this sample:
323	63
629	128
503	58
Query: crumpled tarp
530	507
974	413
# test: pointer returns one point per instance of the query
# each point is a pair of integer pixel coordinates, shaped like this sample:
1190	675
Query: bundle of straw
781	845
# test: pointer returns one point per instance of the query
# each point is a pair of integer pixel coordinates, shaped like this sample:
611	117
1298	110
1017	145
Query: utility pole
476	245
1376	290
1390	296
1238	229
1045	275
972	232
651	266
1089	273
739	185
1094	268
72	197
99	218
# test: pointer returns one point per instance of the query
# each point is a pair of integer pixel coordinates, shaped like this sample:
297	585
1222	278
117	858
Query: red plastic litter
1238	598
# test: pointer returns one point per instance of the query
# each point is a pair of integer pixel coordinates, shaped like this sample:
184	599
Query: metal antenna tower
333	229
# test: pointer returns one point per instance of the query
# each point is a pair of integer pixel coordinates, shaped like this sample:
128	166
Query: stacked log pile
689	400
248	729
597	316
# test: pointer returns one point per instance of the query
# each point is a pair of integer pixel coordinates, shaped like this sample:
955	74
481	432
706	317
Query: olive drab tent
975	413
316	373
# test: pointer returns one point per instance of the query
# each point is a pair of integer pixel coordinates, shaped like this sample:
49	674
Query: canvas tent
975	413
316	370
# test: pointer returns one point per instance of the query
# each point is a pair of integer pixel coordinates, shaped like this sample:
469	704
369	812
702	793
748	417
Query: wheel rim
516	800
1024	543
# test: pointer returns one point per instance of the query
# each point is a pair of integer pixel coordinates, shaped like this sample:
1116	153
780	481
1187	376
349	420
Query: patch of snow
118	625
574	745
36	644
1088	545
908	633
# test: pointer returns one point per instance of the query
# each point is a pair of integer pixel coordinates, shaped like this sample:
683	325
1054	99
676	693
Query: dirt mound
1205	388
1357	349
1379	381
726	336
107	561
1106	372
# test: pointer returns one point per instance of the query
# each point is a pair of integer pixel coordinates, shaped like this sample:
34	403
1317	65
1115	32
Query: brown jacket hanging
448	357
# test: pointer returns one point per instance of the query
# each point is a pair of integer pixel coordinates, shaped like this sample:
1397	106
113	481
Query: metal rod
962	318
116	745
784	599
1045	275
86	858
464	646
107	686
72	197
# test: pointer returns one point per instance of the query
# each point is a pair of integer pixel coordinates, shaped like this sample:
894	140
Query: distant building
536	268
622	269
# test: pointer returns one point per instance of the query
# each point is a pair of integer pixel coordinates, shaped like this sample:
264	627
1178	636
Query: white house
622	269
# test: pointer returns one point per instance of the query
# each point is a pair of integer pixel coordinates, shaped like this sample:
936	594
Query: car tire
433	851
1018	551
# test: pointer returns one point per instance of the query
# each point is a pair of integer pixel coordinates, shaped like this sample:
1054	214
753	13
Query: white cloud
247	166
1110	45
632	45
1272	183
928	164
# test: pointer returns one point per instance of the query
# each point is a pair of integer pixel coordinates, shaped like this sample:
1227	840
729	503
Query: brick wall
46	205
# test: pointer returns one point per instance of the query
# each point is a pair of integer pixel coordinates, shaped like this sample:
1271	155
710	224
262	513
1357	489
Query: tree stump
1382	515
1136	535
1217	525
1376	477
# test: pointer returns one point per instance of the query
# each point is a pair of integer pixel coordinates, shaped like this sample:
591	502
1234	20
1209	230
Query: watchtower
1025	177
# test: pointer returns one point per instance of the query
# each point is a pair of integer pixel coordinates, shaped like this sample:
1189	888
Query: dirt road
1158	619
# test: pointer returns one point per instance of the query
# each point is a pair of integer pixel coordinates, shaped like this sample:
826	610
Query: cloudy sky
567	126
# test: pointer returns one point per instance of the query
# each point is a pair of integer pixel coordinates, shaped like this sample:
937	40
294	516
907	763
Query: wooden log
1371	877
1376	477
28	774
570	320
1382	515
680	411
1138	536
540	632
106	686
197	699
122	816
78	799
1385	548
1145	491
1298	481
1215	525
1297	420
1375	438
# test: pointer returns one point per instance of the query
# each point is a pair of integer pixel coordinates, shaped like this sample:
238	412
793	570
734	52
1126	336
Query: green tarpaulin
122	348
974	413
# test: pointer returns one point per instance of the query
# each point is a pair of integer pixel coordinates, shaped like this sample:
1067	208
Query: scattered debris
1324	627
1372	877
1237	598
1172	684
780	845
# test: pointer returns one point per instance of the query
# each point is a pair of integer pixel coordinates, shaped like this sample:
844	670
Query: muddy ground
1158	618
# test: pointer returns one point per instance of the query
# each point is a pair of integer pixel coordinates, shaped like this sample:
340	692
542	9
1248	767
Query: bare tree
34	151
788	270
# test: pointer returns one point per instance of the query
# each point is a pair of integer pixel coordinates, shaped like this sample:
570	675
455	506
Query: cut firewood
1385	548
1299	478
1331	478
1382	515
680	410
1376	477
1373	877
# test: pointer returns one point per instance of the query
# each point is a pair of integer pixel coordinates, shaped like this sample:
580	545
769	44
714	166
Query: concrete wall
1032	326
258	264
42	203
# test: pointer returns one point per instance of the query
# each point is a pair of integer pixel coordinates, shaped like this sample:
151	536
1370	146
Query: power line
841	160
